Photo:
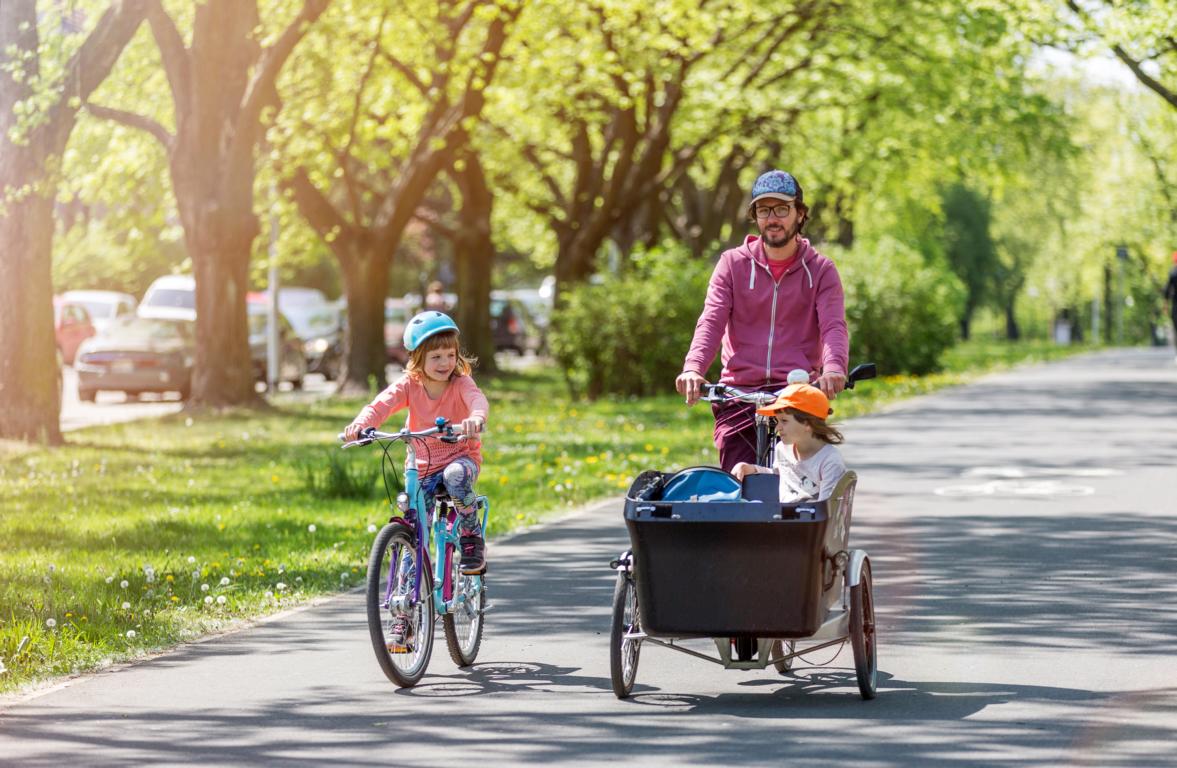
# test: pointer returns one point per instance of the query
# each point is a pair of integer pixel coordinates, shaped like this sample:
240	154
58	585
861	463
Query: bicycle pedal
398	648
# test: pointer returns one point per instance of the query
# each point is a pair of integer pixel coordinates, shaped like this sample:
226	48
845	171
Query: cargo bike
712	557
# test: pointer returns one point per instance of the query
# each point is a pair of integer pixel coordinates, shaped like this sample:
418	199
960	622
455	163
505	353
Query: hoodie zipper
776	285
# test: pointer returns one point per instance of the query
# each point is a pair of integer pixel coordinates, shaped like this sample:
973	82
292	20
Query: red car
71	325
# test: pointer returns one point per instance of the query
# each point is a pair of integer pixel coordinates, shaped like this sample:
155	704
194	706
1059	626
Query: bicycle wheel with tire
394	551
862	633
463	625
623	651
781	648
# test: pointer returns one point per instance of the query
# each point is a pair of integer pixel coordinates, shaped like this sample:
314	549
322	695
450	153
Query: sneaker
400	635
473	560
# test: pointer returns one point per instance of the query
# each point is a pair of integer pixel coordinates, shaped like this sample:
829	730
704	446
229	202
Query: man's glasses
780	211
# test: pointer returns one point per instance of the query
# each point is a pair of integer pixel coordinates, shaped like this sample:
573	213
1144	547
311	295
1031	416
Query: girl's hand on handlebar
690	384
472	426
352	432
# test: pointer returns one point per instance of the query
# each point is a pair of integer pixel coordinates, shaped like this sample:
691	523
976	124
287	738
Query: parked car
138	354
316	322
396	316
103	306
536	313
170	296
508	325
292	365
71	326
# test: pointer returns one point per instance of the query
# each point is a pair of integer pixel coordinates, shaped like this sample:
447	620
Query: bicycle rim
463	624
403	667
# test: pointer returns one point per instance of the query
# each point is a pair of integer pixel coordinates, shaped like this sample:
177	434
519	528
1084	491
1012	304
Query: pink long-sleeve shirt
769	327
461	399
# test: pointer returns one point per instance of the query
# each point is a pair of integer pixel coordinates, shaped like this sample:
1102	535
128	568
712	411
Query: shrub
341	476
902	309
628	334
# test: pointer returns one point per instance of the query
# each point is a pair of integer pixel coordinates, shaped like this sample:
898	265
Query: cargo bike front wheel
623	648
862	633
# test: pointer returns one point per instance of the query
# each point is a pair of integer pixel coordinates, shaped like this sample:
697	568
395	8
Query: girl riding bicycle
808	463
437	382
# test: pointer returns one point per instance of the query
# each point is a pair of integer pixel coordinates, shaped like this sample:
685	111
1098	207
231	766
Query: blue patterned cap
778	184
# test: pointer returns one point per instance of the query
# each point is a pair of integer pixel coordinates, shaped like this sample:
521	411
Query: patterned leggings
458	478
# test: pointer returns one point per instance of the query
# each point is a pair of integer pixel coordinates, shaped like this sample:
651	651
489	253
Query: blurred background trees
968	167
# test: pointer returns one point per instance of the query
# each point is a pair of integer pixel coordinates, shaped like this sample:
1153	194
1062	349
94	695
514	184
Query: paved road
1023	534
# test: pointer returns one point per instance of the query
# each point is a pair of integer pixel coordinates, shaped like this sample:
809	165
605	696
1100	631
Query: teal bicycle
413	574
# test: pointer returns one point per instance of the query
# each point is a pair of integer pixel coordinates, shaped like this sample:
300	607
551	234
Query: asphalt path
1023	535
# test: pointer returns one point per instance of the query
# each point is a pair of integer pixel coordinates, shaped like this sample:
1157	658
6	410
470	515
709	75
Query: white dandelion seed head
126	606
191	559
372	528
52	567
343	577
130	634
51	623
124	583
110	579
311	528
280	586
195	575
269	595
221	600
46	579
151	577
224	581
203	587
297	579
208	600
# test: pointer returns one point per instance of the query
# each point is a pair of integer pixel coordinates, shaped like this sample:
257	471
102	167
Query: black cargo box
734	568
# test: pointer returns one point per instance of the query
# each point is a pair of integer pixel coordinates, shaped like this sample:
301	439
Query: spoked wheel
781	648
862	633
463	625
388	601
623	652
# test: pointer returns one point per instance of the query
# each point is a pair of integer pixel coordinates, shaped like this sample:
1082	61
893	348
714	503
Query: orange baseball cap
803	397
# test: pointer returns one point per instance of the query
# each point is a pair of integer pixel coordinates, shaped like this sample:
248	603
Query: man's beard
778	241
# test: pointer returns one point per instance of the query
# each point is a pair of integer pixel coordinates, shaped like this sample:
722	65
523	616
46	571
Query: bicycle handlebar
371	434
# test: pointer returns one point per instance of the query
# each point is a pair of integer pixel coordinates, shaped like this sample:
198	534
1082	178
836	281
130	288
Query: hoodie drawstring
807	272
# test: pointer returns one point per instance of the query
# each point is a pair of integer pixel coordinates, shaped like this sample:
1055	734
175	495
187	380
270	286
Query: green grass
134	537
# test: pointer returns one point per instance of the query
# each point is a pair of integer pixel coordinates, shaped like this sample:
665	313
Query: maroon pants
735	433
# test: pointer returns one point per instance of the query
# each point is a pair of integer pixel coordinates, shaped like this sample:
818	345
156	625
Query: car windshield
311	321
100	310
172	297
147	329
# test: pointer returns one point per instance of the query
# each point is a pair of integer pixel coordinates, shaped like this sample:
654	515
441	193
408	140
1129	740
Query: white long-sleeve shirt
811	479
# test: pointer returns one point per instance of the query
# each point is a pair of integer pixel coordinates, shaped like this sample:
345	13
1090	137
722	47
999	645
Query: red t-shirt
779	268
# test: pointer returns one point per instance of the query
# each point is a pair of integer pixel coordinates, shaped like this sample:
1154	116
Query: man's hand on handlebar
690	385
831	383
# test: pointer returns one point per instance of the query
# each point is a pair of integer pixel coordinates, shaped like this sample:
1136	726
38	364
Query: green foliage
628	333
902	309
336	475
969	247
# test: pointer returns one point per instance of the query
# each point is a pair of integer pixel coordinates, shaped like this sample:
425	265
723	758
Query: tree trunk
1012	331
365	282
30	407
964	327
474	258
29	403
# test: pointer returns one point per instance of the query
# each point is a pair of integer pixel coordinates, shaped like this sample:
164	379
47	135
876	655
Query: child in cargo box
808	463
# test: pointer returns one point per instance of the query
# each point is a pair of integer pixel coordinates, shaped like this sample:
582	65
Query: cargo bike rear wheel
624	651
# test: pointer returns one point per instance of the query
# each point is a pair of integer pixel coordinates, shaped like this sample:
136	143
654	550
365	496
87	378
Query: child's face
789	429
440	363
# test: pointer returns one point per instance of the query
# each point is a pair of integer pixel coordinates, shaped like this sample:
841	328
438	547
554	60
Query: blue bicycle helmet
426	324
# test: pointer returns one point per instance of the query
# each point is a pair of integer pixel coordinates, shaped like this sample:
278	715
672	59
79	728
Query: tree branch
132	120
176	63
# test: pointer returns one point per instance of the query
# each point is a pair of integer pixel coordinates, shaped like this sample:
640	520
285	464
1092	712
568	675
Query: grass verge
135	537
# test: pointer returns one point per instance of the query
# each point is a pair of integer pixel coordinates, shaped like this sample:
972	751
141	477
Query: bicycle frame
440	534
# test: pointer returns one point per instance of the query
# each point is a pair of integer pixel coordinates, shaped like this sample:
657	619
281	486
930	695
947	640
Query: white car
171	297
103	306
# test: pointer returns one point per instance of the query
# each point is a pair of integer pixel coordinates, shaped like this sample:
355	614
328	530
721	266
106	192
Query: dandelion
195	575
203	587
110	579
51	623
343	577
221	600
208	600
126	606
170	578
130	634
280	586
297	579
52	567
269	595
124	583
311	528
174	599
3	668
372	528
224	581
191	559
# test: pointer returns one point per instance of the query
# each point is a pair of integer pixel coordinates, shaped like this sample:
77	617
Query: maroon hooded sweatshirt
767	327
